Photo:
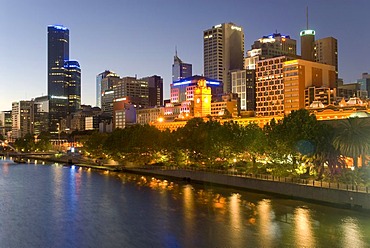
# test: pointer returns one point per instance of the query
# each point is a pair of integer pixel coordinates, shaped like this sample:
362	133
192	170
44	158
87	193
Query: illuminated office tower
180	69
73	79
58	53
223	51
275	45
104	82
244	84
136	89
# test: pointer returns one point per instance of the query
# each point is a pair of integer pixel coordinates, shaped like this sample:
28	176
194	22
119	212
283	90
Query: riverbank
350	199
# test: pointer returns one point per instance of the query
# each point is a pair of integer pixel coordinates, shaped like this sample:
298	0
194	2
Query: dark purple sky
139	36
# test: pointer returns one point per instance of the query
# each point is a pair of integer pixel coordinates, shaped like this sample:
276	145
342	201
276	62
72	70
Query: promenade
339	195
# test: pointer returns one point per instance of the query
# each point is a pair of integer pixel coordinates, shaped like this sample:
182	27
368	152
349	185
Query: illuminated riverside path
60	206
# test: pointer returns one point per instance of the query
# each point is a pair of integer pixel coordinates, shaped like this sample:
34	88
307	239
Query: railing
306	182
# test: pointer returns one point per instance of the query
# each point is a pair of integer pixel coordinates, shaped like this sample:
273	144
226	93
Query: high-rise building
22	119
183	90
104	81
275	45
58	53
223	51
107	102
244	84
64	77
155	84
308	44
136	89
301	74
326	52
5	122
281	84
40	114
180	69
365	83
73	79
270	87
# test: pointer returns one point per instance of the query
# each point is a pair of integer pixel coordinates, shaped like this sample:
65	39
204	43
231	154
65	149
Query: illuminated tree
353	138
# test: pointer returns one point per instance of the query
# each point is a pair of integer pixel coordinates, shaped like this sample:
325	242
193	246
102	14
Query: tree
353	138
293	141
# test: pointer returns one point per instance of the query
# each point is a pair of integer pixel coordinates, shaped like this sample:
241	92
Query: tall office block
5	123
223	51
155	85
326	52
275	45
302	74
104	82
136	89
40	114
58	53
365	83
270	87
73	80
180	69
308	44
244	84
22	119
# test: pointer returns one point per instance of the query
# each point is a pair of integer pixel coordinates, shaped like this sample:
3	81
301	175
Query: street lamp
58	128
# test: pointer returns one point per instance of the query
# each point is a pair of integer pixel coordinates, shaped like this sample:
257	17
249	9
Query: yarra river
61	206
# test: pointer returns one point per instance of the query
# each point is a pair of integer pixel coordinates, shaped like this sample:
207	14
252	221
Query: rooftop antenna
307	16
176	50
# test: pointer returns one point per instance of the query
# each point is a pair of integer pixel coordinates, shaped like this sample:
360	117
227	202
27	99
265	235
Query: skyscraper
155	84
64	77
307	44
275	45
326	52
104	82
58	53
223	51
73	79
180	69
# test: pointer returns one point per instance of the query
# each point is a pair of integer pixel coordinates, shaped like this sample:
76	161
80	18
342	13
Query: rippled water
58	206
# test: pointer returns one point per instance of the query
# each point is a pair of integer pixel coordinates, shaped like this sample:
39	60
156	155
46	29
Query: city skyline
142	41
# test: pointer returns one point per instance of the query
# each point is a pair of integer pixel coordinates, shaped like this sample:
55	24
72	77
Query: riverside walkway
341	195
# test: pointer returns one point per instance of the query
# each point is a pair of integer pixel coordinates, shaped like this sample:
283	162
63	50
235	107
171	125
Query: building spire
307	17
176	59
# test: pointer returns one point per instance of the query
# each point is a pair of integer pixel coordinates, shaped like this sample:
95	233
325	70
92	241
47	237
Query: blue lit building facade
183	90
180	70
73	80
58	53
64	78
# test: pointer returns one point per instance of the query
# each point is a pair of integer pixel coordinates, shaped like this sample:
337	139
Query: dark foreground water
58	206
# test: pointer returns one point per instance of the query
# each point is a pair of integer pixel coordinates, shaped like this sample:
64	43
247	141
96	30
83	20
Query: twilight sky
138	37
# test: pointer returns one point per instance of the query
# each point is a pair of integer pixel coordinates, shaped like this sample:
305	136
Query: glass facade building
58	53
73	79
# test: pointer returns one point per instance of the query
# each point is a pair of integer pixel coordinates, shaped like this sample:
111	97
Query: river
45	205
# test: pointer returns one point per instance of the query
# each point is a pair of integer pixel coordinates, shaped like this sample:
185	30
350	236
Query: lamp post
58	128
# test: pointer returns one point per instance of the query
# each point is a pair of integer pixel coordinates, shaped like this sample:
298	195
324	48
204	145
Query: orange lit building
202	99
301	74
270	87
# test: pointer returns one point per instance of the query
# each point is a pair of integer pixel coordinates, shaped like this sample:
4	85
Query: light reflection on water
87	208
352	233
303	227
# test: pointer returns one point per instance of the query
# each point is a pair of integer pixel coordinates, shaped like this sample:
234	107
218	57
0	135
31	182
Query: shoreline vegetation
298	147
